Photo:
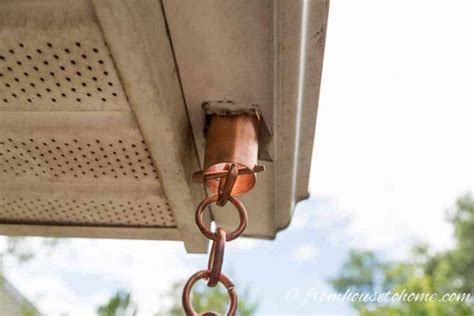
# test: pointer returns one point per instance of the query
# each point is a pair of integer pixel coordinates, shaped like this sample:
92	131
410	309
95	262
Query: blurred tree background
204	300
120	304
450	271
426	271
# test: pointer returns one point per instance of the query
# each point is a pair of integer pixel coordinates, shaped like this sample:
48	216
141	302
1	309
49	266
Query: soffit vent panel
100	133
73	159
40	73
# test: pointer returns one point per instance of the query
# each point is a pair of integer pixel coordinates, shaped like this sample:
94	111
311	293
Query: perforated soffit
76	160
71	152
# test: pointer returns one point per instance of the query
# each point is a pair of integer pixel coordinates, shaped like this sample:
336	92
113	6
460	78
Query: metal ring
226	184
213	199
203	274
216	257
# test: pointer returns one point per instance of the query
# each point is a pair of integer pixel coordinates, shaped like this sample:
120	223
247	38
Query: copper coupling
231	142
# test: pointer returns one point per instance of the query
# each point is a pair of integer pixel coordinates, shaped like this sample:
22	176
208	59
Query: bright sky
393	150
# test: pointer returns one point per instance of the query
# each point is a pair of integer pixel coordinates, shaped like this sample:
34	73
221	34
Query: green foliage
29	311
209	300
358	273
446	272
120	304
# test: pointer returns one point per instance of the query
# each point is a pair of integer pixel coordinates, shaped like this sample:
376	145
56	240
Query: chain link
216	257
227	184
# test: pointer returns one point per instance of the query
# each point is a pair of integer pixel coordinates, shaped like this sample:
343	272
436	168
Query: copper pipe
232	139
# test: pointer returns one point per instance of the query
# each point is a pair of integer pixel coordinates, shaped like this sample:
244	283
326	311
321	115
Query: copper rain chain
230	167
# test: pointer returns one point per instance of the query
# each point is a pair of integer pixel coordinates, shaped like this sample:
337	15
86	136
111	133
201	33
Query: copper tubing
232	139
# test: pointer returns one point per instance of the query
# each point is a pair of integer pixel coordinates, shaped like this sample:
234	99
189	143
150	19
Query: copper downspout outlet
231	139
